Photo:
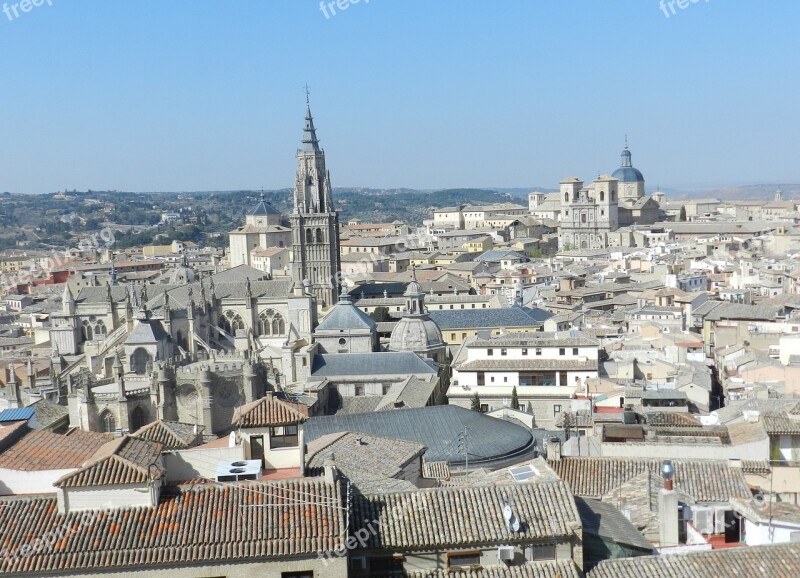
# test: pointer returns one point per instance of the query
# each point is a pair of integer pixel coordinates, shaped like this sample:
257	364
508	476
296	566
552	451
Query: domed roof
626	173
417	334
264	208
346	316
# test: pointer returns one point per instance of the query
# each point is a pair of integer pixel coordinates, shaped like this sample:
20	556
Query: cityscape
365	288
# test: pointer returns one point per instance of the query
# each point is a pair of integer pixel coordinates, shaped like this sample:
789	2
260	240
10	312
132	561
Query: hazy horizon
188	97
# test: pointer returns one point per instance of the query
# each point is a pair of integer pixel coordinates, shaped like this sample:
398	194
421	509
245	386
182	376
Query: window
481	378
385	388
484	407
556	409
342	341
452	337
524	351
574	351
319	235
270	322
504	351
490	352
140	360
309	236
505	379
359	390
538	351
308	574
463	336
138	419
491	379
283	437
107	422
463	559
562	351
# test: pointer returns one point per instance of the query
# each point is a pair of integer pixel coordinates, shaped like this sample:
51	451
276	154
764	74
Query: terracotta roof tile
206	523
781	560
125	460
172	435
270	411
703	480
38	450
468	516
555	569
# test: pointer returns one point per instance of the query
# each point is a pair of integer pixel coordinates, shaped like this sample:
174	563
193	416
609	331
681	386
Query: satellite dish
515	525
507	514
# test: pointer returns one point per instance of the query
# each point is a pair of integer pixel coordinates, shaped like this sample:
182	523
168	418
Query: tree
476	402
514	398
682	215
380	314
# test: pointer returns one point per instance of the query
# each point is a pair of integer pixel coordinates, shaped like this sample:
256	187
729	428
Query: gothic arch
100	330
309	236
138	419
271	323
108	423
231	322
140	358
87	332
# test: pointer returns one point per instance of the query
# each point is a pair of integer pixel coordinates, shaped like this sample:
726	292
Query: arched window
602	196
107	422
139	361
86	331
138	419
319	235
100	330
566	197
583	217
271	322
231	322
309	236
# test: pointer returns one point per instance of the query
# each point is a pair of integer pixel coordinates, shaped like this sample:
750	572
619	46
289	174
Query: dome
418	334
628	175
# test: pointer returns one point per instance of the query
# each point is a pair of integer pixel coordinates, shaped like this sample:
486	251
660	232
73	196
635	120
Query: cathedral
589	213
195	349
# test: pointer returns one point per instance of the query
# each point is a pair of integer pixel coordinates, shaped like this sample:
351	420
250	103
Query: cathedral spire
310	140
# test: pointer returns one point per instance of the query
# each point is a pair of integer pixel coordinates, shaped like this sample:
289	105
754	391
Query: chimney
554	449
668	508
330	471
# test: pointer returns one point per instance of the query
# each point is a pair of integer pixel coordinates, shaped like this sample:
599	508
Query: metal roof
18	414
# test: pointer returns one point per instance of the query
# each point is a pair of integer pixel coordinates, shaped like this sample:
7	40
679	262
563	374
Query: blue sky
200	95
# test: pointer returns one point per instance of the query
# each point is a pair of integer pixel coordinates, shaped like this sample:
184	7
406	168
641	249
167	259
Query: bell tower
314	221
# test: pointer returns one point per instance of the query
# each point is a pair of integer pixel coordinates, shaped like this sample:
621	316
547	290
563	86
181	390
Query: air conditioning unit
505	553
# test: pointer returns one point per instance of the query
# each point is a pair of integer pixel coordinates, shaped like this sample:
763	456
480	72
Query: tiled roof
703	480
483	318
125	460
554	569
781	425
356	454
171	435
436	470
375	363
779	561
604	520
563	339
47	412
207	523
270	411
528	365
42	450
468	516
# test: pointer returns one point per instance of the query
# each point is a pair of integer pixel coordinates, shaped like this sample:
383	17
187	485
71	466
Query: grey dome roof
345	315
264	208
416	333
628	175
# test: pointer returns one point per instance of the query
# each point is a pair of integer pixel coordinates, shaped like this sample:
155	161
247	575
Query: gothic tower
315	223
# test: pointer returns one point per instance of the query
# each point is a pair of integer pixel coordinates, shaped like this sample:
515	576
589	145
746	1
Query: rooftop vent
238	470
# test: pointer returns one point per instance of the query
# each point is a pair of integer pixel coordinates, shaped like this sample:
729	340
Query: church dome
626	173
418	334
